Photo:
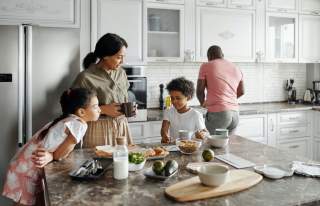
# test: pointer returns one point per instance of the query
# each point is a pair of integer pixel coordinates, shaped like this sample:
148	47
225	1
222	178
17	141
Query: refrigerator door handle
21	87
28	81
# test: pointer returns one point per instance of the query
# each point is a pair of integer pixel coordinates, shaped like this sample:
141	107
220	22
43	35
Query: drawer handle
211	3
294	146
282	10
293	118
294	131
315	12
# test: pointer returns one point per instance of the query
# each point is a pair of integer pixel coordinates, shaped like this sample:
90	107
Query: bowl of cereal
188	146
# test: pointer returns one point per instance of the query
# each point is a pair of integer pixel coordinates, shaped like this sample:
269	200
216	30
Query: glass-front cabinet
282	5
164	30
281	37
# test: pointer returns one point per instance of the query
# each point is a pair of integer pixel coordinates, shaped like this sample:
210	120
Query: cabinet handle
315	12
161	60
272	126
211	3
282	10
239	6
294	146
293	118
293	131
160	0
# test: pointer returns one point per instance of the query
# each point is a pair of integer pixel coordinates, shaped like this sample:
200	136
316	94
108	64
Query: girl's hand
165	140
41	157
200	134
112	110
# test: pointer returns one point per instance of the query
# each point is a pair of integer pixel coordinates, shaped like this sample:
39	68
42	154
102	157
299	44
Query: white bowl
218	140
213	175
135	167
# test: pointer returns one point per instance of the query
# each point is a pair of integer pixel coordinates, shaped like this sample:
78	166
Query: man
224	84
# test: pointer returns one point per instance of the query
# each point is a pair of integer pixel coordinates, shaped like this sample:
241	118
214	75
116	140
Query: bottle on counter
161	103
120	160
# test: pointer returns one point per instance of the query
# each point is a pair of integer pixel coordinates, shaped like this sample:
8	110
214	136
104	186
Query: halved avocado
170	167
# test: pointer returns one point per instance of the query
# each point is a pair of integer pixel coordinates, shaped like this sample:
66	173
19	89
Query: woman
104	75
224	84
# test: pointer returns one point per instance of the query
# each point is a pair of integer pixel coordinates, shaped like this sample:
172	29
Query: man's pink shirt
223	79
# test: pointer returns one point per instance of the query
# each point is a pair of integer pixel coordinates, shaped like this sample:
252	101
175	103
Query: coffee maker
316	89
292	93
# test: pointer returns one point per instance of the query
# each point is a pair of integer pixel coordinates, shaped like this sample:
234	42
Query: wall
263	82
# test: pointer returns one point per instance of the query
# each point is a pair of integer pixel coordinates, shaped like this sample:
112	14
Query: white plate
171	148
149	173
274	171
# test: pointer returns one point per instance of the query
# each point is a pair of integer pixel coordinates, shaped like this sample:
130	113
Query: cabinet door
282	5
309	32
281	37
164	29
58	13
155	128
316	149
232	30
310	7
241	4
297	147
214	3
123	17
138	130
253	127
316	124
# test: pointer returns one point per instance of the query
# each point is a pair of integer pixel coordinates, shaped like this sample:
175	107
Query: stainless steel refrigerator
36	65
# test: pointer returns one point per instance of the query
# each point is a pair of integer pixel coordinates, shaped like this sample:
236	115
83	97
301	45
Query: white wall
263	82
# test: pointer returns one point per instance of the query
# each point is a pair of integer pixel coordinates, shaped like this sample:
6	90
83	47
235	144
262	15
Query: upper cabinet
123	17
58	13
281	37
215	3
282	5
309	32
233	31
310	7
239	4
164	29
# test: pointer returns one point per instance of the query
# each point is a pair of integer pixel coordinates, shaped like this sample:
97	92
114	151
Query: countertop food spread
140	190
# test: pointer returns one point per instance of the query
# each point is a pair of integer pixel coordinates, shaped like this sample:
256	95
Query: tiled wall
263	82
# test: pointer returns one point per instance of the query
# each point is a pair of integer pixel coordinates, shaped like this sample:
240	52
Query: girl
53	142
181	116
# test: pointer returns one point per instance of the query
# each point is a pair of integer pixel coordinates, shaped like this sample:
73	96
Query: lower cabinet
253	127
297	147
146	132
316	148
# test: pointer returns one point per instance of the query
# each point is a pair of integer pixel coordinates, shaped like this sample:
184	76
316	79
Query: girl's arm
165	131
65	147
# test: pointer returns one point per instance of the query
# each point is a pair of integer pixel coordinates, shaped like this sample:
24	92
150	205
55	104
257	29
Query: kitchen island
139	190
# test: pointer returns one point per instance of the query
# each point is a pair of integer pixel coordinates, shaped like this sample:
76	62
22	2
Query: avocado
158	167
170	167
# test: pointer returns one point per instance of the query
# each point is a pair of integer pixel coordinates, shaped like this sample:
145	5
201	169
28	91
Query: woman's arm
165	131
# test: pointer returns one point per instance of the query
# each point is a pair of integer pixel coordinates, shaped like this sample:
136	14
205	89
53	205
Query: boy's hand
200	134
41	157
165	140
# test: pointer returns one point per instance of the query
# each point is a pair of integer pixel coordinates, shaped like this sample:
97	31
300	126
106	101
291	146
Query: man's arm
240	89
201	86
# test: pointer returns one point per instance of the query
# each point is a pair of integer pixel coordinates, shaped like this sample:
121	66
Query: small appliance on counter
292	93
309	96
316	89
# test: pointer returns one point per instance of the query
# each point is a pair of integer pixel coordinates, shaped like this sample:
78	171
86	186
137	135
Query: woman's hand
112	110
41	157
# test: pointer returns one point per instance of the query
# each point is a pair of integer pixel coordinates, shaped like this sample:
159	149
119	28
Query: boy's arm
165	131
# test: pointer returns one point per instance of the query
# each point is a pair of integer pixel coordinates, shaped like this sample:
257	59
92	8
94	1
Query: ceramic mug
224	132
128	108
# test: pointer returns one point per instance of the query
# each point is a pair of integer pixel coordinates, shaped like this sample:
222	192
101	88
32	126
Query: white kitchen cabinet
164	32
298	147
272	129
316	149
310	7
253	127
316	124
309	32
214	3
58	13
146	132
281	37
123	17
233	30
167	1
241	4
282	5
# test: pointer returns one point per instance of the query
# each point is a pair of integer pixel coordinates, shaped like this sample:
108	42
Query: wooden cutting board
192	189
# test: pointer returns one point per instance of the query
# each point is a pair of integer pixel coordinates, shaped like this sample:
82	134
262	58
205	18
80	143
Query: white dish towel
307	169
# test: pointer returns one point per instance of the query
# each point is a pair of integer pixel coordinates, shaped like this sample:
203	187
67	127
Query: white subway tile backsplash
263	82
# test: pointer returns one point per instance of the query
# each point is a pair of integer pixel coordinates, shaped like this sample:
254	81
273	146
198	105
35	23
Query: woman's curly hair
183	85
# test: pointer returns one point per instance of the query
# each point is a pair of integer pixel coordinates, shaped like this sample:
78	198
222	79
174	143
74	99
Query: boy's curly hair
181	84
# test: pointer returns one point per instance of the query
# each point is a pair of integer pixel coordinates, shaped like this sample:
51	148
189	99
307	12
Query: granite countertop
246	109
138	190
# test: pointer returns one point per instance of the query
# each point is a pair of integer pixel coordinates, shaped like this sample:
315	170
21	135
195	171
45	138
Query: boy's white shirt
56	135
191	120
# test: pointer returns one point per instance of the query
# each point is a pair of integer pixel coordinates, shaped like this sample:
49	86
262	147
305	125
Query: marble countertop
246	109
139	190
